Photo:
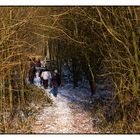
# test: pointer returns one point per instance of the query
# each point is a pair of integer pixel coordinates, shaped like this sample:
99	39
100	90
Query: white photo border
69	2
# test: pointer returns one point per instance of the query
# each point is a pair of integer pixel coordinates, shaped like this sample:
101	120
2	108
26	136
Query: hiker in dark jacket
55	83
38	66
38	63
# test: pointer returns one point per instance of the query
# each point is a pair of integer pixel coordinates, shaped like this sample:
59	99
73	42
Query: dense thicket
94	41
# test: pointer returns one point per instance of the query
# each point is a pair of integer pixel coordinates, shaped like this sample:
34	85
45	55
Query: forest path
70	113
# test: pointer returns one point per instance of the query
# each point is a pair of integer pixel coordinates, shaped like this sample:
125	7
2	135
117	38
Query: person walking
38	66
37	80
42	68
55	82
45	75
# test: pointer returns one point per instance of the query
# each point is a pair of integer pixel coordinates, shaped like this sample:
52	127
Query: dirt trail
68	114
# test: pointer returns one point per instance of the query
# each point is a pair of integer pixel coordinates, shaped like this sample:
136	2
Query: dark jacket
56	80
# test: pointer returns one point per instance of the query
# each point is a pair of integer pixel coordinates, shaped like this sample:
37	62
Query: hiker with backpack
45	76
55	82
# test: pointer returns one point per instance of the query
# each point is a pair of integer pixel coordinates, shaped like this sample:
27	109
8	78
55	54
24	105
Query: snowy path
67	115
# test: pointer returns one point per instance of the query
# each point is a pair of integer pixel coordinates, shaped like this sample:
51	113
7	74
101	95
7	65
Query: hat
56	71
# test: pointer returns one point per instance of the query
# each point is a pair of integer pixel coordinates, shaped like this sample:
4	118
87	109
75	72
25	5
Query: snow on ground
70	113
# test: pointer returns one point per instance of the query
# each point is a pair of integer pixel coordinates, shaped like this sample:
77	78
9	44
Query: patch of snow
66	114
